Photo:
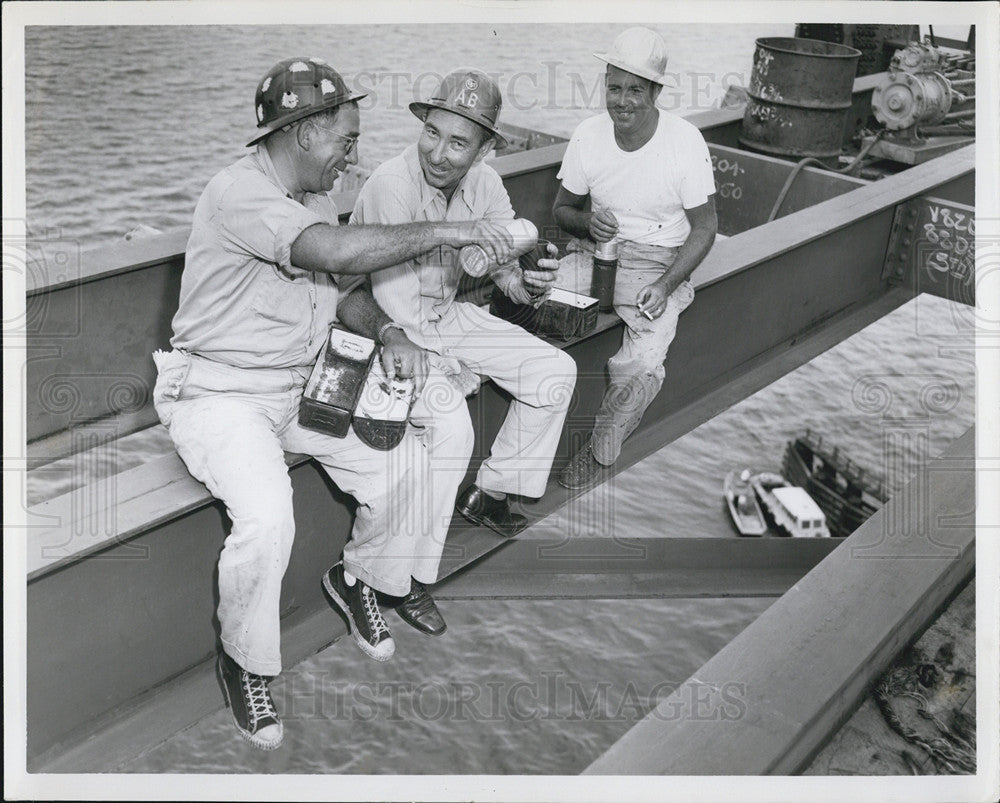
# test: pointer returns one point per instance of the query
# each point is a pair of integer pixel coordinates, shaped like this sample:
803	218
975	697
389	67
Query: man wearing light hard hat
264	277
649	180
443	177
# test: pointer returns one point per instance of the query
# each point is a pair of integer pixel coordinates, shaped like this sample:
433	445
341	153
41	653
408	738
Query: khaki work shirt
421	290
242	302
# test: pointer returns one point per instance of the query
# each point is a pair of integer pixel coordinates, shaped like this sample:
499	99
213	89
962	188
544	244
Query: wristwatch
385	328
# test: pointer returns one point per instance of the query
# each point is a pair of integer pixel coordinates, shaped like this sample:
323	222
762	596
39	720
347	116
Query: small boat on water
792	509
846	493
743	504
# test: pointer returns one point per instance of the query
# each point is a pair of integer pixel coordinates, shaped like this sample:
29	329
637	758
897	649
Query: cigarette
645	313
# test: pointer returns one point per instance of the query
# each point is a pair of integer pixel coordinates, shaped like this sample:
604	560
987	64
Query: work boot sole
576	485
590	474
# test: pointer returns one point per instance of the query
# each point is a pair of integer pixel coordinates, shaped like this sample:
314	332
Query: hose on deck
809	159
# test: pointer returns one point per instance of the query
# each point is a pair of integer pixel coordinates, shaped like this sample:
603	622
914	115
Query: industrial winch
926	93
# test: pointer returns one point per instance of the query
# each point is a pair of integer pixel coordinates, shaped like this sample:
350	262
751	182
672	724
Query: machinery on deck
926	102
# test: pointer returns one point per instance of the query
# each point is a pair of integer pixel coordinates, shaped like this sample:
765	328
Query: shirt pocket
280	301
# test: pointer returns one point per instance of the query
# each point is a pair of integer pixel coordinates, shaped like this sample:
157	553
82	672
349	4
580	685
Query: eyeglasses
352	142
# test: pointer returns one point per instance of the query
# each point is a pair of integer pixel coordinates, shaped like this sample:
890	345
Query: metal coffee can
602	284
473	260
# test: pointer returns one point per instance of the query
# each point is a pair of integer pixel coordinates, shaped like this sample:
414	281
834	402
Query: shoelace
372	612
255	689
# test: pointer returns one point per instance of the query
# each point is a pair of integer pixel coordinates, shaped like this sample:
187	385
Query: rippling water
124	127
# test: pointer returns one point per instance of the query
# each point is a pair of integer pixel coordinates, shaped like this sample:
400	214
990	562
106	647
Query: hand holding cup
539	267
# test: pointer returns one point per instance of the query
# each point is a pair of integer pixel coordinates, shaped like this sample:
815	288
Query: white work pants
538	376
231	427
636	371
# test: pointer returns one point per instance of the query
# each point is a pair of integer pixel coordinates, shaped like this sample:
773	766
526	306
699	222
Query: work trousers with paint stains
231	427
636	371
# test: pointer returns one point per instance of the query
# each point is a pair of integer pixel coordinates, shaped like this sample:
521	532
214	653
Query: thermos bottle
602	285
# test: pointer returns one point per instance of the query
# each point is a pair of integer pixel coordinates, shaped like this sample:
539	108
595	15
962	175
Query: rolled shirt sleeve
257	221
241	300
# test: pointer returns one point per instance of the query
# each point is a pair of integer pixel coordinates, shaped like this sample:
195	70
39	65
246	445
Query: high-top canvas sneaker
364	618
249	698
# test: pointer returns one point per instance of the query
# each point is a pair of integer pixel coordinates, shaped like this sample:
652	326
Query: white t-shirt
648	189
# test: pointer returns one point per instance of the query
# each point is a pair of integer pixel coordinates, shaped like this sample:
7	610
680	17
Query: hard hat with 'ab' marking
471	94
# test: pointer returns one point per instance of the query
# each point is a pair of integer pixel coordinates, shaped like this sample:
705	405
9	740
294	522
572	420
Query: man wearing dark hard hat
265	270
443	178
649	180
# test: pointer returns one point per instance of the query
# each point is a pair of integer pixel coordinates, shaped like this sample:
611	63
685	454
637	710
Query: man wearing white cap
649	179
443	177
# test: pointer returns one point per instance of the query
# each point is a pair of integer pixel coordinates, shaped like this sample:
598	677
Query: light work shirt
242	302
647	189
421	290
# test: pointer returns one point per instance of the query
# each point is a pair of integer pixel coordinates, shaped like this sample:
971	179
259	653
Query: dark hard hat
471	94
295	88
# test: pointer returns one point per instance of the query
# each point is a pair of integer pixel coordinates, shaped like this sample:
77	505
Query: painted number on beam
945	244
725	168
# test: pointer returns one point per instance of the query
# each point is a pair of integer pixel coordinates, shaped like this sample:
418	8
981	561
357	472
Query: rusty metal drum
799	97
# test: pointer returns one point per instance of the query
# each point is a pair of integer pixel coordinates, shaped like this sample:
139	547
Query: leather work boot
481	508
249	698
418	610
582	470
364	619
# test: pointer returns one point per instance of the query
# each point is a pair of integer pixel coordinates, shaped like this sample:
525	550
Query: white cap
641	52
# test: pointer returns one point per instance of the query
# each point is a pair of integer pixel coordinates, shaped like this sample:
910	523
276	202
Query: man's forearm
360	313
689	257
573	221
363	249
